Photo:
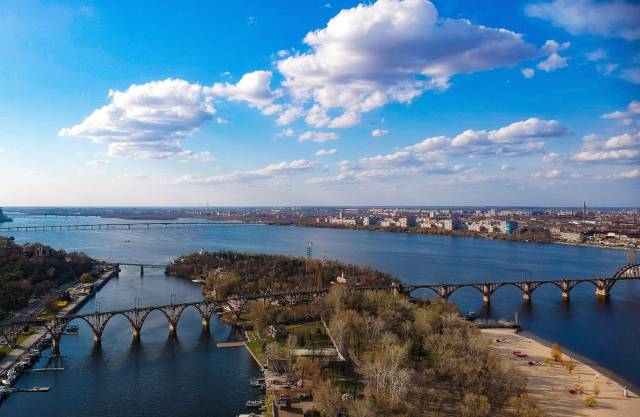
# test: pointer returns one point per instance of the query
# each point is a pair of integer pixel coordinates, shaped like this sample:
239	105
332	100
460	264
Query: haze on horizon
392	102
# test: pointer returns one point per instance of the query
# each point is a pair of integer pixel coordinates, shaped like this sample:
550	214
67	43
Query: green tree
86	278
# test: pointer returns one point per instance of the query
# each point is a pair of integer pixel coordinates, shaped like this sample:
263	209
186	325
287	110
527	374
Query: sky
252	103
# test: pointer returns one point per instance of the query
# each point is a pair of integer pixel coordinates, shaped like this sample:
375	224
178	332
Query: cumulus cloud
147	120
281	169
506	167
431	154
632	110
318	137
286	133
554	61
390	51
631	74
253	88
289	115
550	157
378	133
325	152
616	18
528	73
624	148
634	173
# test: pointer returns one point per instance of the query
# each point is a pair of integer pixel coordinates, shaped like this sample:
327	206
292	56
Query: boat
10	377
127	241
256	382
72	329
254	403
471	315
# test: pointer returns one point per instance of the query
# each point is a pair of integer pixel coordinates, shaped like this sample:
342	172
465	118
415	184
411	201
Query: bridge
113	226
137	315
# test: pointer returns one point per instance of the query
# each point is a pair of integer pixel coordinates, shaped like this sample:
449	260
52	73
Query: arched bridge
603	285
137	316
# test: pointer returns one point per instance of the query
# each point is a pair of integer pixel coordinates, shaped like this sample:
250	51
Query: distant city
610	227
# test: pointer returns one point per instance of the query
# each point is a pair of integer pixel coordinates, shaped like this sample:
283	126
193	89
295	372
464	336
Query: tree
328	399
361	408
86	278
570	364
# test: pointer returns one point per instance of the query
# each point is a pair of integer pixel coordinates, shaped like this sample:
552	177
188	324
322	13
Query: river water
189	376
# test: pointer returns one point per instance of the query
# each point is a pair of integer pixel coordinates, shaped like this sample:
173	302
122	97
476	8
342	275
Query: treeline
23	275
416	359
229	272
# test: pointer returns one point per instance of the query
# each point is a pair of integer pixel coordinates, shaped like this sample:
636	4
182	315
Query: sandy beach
550	384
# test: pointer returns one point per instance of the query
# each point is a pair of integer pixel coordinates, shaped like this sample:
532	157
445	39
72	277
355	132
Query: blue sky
340	103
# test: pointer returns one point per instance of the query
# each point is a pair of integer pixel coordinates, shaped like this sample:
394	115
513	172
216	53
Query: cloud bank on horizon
365	81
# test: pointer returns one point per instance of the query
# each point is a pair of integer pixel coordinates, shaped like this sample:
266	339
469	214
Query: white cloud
281	169
325	152
608	18
378	133
253	88
286	133
623	148
528	72
289	115
318	137
633	109
390	51
222	121
550	157
430	155
634	173
147	120
554	173
506	167
554	61
596	55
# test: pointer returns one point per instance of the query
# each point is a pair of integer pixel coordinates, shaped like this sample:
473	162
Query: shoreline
549	384
584	360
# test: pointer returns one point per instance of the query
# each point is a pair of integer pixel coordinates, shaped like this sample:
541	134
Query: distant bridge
137	316
113	226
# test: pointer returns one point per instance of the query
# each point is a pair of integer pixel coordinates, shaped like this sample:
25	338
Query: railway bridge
136	316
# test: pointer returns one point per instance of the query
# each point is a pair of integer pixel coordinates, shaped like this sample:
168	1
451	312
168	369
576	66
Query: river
191	377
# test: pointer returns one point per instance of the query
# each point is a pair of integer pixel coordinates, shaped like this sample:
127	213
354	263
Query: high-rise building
584	209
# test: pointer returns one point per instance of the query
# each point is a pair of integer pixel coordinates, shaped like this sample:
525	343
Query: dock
45	369
230	344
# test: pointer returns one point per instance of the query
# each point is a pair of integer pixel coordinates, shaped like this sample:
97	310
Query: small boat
72	329
471	315
10	377
256	382
127	241
254	403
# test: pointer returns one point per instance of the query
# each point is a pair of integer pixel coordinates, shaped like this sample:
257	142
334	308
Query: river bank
550	383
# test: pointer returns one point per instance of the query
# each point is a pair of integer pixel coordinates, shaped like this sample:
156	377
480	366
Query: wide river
189	376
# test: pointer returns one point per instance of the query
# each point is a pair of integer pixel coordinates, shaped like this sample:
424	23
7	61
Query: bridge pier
205	324
141	270
602	292
55	344
486	294
565	290
135	332
173	328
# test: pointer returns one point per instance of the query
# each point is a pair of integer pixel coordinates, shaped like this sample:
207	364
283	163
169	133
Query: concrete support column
141	270
602	292
486	294
55	344
443	292
565	290
205	324
97	339
526	292
136	332
173	328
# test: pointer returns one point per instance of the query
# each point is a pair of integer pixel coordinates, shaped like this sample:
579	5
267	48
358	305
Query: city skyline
328	103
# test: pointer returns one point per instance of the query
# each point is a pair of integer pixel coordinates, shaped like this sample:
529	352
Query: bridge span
137	315
114	226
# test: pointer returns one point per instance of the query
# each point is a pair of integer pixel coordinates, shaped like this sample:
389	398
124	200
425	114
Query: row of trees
23	275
